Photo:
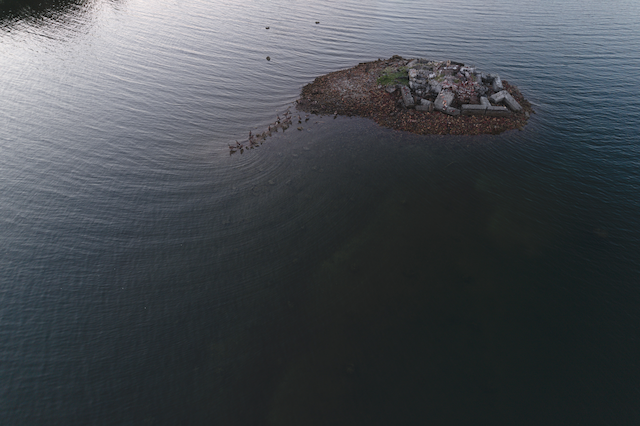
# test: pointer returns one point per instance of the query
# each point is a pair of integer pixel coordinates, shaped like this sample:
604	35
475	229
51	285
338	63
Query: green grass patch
391	76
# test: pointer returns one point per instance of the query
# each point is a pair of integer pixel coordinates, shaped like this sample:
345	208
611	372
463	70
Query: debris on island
414	95
420	96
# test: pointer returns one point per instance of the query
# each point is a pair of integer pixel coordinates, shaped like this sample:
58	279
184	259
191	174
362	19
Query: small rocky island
420	96
414	95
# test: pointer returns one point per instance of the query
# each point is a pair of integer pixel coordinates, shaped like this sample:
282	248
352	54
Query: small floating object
299	128
268	58
317	22
266	28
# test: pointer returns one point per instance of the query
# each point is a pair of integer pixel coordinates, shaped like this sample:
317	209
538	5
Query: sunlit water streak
342	274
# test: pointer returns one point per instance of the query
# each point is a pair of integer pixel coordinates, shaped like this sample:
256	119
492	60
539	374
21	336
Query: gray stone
451	111
413	74
406	97
435	86
497	111
425	105
497	83
504	96
443	100
497	98
484	101
469	109
415	85
412	63
511	102
390	88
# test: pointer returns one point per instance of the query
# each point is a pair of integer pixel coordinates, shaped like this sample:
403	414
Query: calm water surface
344	274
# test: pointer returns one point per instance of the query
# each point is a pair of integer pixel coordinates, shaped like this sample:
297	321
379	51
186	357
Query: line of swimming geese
256	140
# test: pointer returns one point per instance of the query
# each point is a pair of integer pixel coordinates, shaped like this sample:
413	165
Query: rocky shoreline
420	96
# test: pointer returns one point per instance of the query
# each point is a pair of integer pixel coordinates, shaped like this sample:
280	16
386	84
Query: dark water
344	274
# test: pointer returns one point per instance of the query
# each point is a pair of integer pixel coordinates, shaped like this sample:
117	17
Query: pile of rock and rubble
452	88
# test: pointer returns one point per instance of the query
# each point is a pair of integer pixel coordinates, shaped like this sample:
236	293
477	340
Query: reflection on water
339	274
38	11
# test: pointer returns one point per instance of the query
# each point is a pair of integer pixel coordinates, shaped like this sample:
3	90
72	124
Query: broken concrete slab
511	102
497	111
443	100
412	63
435	86
497	98
497	83
451	111
484	101
469	109
407	98
504	96
425	105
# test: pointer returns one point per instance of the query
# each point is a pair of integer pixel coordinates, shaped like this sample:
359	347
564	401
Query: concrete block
497	98
412	63
435	86
417	85
451	111
443	100
406	97
484	101
469	109
497	84
504	96
425	105
497	111
511	102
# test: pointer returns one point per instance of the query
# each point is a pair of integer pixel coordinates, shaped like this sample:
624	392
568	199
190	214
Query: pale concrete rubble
407	98
444	99
505	97
472	109
497	111
425	105
497	83
453	88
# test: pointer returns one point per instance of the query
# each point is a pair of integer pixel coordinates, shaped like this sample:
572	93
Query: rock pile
419	96
450	87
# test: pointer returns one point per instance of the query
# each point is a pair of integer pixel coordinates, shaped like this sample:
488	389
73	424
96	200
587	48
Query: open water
343	274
